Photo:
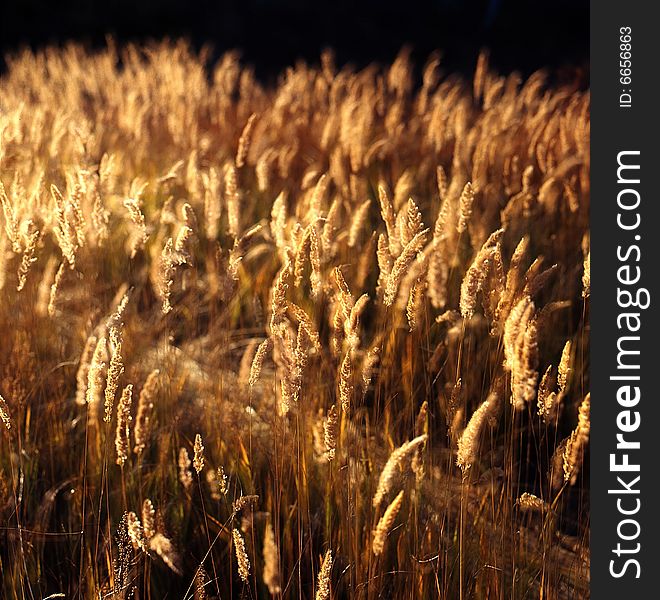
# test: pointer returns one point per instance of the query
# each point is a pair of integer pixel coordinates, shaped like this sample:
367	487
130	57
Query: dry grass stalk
520	350
232	199
577	442
241	555
164	548
330	432
529	501
468	443
346	383
123	431
185	476
4	413
271	561
401	265
115	371
465	207
144	414
258	361
244	142
385	524
28	256
323	581
564	368
148	518
54	288
95	372
198	458
136	532
393	464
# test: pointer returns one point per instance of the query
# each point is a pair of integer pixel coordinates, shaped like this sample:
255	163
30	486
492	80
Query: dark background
521	35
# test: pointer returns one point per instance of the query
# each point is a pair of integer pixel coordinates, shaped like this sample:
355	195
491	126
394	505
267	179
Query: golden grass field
326	338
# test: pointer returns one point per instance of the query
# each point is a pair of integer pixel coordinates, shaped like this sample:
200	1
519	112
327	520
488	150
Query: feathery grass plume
448	318
201	581
315	279
468	443
54	288
258	361
232	199
4	413
318	194
28	256
95	372
86	359
136	532
163	546
247	358
148	518
421	428
278	220
185	476
328	235
263	170
114	320
11	222
198	458
323	581
271	561
410	223
480	75
415	301
306	323
300	255
465	203
537	282
241	555
212	202
513	281
122	562
278	303
438	271
401	265
346	382
529	501
453	406
357	223
351	324
385	263
369	363
393	464
577	442
66	227
564	370
330	433
520	351
385	524
244	142
546	397
221	479
182	245
123	432
586	273
139	236
387	212
115	370
477	274
142	428
166	267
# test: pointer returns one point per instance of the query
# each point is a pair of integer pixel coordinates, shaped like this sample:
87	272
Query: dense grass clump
325	339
